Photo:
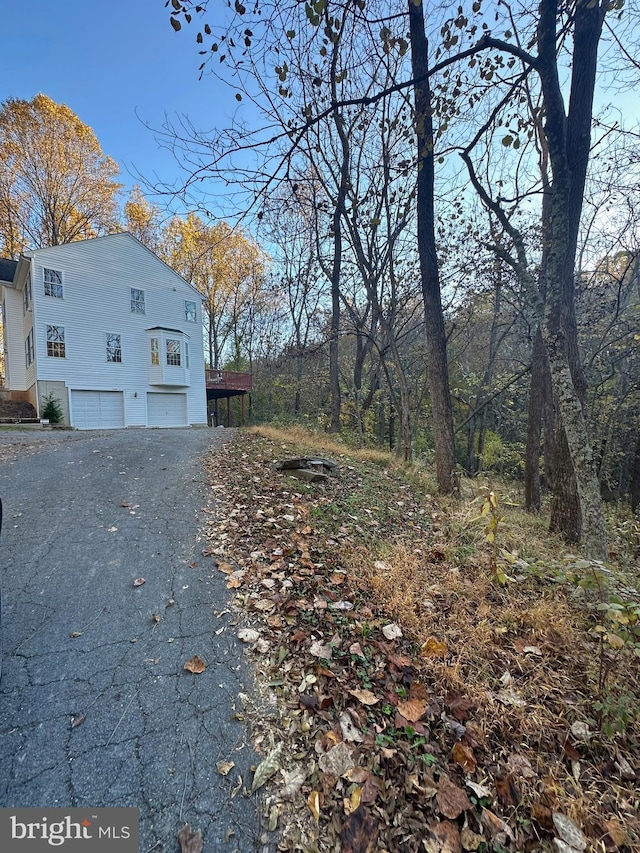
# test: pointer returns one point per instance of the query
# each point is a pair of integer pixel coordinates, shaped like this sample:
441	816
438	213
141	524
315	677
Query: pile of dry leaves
420	704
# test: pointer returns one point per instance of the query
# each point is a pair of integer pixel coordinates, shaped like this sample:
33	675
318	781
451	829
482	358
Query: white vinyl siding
166	410
97	409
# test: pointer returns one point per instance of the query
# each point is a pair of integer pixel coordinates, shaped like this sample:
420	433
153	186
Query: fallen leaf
224	767
463	755
495	825
313	801
580	731
321	670
392	631
616	832
113	530
569	832
481	791
443	837
349	729
353	802
434	648
460	706
365	696
510	697
248	635
320	650
75	634
337	761
226	568
359	832
190	840
78	720
264	604
139	581
155	617
412	709
125	503
508	793
265	770
293	781
451	799
195	665
401	661
521	766
470	840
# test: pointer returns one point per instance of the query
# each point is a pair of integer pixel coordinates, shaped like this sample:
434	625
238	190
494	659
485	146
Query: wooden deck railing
228	380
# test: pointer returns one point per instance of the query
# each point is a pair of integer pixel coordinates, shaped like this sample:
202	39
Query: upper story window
53	283
155	352
28	349
190	314
55	342
173	352
114	348
137	301
27	296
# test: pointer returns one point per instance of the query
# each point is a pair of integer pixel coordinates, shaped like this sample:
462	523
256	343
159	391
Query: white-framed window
186	355
137	301
190	312
173	352
28	349
27	295
55	342
155	352
52	283
114	348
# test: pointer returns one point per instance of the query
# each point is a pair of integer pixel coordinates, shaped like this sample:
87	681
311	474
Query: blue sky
108	61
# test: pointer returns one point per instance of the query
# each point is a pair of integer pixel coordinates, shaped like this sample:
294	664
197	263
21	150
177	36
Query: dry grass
297	440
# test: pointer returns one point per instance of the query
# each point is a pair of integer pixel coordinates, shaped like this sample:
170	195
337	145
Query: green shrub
52	410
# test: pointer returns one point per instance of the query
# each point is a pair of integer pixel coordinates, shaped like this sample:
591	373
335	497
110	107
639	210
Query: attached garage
97	409
167	410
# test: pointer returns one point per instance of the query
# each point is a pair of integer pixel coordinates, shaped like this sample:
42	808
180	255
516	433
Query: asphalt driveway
96	708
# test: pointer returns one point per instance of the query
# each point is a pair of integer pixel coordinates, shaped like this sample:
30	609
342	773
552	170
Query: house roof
165	329
7	269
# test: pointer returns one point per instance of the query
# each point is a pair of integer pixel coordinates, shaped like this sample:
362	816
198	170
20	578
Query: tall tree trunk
442	413
539	367
634	485
568	138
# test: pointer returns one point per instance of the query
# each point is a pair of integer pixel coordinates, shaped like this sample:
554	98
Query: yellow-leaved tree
227	267
56	185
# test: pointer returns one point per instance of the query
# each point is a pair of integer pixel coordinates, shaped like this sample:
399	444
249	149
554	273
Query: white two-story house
108	330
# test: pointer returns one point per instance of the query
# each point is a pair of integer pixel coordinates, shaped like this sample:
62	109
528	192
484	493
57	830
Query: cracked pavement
95	707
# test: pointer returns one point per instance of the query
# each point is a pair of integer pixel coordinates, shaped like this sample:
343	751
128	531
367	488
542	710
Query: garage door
167	410
97	409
